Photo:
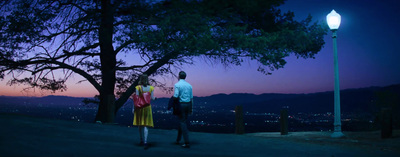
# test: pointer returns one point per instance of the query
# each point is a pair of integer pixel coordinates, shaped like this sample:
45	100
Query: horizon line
398	84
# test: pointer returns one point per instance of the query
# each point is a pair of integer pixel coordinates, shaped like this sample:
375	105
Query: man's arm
176	94
191	99
191	106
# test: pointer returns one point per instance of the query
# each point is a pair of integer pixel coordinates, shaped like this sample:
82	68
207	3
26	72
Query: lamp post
333	20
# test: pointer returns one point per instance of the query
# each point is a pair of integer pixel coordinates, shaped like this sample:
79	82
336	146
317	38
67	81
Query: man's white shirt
183	91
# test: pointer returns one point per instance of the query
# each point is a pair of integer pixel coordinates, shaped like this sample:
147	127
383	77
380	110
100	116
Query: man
183	93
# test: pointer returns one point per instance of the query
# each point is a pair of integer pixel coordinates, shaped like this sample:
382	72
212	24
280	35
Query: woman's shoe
186	145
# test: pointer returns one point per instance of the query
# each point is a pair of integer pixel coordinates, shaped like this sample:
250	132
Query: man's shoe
186	145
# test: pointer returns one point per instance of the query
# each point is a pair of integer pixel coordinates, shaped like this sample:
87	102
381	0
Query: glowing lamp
333	19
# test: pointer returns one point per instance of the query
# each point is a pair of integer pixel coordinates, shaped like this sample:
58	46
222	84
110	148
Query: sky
367	39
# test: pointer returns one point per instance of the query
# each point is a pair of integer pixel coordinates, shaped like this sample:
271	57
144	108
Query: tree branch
80	72
24	63
134	66
122	46
81	51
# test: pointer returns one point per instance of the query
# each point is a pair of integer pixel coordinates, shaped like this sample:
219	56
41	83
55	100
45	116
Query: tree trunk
107	109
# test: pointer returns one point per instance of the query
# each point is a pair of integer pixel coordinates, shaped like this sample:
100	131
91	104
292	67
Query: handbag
141	100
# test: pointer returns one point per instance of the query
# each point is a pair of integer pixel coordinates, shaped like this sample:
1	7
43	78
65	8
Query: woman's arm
152	95
137	90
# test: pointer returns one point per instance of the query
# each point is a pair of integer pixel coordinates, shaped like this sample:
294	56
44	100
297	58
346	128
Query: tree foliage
53	39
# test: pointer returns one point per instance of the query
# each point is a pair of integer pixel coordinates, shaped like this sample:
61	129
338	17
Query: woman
143	117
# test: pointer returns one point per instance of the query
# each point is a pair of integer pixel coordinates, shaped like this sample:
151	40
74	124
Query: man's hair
182	75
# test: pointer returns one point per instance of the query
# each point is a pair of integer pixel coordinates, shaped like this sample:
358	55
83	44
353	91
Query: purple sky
368	39
368	42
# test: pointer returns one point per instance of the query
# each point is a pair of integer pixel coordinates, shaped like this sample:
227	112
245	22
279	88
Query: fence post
386	123
239	120
284	121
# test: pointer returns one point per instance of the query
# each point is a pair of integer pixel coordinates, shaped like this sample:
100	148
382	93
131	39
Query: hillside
352	101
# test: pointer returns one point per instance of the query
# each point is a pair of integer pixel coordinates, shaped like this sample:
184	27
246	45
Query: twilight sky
368	42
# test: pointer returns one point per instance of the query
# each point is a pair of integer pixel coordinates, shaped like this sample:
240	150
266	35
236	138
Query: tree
54	39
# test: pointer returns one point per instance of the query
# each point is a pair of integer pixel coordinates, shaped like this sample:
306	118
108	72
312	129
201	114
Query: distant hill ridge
352	100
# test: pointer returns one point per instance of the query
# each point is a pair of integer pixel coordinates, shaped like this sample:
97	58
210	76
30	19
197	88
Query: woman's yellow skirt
143	117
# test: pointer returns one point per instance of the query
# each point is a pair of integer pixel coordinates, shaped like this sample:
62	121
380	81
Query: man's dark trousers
183	130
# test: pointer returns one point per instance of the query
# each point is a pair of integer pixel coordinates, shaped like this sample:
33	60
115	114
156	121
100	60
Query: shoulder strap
140	89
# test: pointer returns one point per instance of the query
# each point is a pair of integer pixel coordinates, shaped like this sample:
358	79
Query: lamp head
333	19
